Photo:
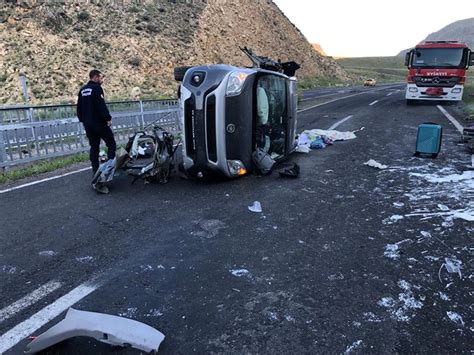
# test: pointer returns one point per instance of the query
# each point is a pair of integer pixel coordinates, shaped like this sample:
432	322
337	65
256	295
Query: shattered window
271	114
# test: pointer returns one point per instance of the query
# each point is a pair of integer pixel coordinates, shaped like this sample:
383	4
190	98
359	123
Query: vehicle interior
271	115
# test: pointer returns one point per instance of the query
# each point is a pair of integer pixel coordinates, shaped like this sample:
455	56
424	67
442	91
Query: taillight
462	80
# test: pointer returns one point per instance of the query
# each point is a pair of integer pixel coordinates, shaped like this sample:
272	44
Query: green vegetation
310	83
42	167
373	62
382	69
83	16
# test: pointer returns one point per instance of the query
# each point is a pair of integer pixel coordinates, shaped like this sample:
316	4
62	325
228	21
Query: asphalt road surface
347	258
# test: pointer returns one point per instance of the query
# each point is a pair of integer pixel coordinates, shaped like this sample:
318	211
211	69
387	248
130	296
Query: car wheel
179	72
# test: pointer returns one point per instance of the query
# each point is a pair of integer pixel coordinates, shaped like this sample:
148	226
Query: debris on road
291	170
104	174
355	346
375	164
453	266
102	156
302	149
455	317
262	162
331	134
109	329
240	272
320	138
256	207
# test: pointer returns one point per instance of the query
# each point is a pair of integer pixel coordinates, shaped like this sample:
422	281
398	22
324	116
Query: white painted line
321	96
334	126
32	324
390	94
43	180
456	124
325	103
28	300
373	103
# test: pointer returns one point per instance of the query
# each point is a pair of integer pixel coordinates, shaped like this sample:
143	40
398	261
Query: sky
366	28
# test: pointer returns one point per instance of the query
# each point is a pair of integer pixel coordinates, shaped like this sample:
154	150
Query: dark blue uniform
94	114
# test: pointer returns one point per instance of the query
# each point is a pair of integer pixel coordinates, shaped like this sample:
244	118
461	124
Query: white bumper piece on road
109	329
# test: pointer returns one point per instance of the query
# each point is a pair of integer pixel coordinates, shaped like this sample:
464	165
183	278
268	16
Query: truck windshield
438	58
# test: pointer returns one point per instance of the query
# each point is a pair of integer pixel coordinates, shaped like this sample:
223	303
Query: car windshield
271	115
438	57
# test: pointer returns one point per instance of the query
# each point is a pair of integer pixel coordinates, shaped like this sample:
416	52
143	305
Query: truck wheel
179	73
410	102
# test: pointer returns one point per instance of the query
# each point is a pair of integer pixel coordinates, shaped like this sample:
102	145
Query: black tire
410	102
179	73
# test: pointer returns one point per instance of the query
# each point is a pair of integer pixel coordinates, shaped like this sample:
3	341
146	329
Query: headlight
236	167
235	83
456	91
413	90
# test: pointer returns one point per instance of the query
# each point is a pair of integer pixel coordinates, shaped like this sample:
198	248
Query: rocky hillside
138	44
317	47
462	31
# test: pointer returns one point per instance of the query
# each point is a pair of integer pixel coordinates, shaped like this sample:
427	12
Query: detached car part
113	330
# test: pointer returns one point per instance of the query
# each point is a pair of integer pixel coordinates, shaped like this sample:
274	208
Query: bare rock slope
55	44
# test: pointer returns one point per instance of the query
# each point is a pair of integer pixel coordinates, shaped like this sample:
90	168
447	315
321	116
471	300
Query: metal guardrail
20	114
28	140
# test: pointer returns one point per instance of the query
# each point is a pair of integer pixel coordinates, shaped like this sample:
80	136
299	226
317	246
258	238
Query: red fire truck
437	71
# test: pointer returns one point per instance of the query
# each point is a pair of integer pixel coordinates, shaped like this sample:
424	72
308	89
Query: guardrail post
3	152
142	114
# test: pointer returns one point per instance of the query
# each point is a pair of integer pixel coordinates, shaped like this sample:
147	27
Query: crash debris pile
320	138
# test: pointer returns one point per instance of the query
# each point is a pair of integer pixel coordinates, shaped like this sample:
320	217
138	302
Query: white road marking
390	94
456	124
373	103
321	96
334	126
26	328
325	103
43	180
29	299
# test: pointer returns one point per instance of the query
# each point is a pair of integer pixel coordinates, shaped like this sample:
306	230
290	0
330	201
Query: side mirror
407	59
471	58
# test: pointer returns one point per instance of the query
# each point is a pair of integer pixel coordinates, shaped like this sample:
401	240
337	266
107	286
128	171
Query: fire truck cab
437	71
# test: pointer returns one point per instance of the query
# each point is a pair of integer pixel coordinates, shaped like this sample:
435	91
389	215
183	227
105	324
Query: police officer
96	118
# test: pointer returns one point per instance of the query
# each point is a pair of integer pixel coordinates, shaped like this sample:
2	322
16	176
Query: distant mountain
462	31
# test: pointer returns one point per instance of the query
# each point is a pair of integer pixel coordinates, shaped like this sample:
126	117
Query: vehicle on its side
229	112
370	82
437	71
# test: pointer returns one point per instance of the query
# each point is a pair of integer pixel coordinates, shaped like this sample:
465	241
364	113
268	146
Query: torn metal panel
113	330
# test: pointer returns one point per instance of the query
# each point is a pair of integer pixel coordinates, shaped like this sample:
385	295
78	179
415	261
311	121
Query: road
345	259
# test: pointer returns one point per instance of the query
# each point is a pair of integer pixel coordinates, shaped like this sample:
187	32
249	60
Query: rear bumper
414	92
